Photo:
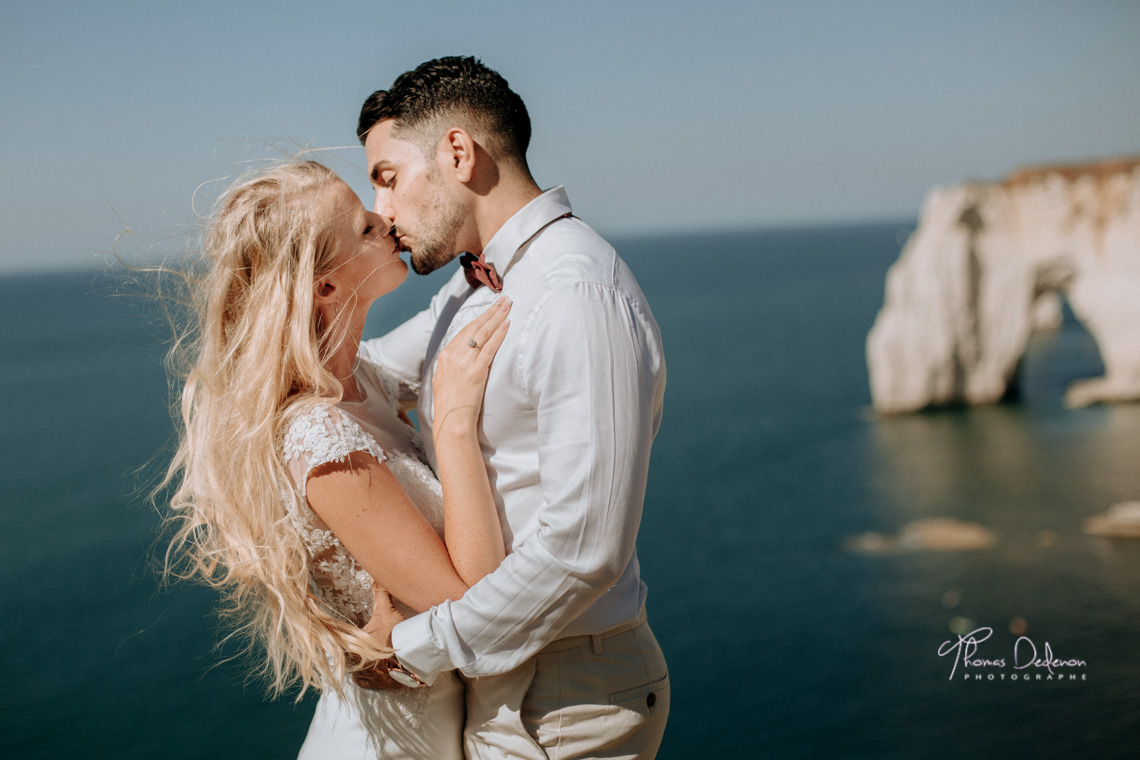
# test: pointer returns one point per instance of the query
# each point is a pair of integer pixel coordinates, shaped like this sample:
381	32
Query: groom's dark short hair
447	92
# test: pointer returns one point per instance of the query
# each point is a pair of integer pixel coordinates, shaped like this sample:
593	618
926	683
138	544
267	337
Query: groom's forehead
378	149
383	149
379	137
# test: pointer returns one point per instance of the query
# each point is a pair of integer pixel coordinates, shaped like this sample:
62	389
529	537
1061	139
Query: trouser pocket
644	698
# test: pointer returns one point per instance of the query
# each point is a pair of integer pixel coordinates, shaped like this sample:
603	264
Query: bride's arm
365	506
471	529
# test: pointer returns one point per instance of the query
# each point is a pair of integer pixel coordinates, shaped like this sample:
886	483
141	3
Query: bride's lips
396	242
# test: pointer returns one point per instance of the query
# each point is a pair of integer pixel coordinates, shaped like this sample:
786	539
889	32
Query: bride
301	489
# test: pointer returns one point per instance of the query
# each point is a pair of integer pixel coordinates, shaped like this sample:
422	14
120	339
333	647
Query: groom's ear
459	153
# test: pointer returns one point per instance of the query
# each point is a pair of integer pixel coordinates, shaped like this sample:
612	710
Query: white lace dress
407	723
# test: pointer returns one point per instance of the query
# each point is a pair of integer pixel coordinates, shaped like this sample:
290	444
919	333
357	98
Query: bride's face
367	263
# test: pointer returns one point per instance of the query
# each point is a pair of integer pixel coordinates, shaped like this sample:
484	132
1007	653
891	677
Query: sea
781	642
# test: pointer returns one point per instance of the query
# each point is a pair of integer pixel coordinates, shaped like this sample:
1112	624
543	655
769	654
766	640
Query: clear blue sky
656	115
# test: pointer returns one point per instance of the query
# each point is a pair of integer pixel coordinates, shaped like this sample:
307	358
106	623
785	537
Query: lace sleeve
317	436
322	435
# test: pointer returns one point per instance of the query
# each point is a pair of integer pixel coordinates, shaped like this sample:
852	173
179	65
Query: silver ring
473	344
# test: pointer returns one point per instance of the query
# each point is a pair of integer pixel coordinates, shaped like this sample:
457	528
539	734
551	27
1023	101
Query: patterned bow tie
479	272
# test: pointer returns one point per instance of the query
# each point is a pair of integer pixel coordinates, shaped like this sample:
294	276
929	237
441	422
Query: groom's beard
436	244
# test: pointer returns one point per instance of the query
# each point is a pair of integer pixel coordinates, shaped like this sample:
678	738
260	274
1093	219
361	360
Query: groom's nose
383	207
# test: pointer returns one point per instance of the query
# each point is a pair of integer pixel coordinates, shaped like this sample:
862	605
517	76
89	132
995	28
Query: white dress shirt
573	402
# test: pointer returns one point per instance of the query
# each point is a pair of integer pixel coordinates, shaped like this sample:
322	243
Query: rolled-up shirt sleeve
592	367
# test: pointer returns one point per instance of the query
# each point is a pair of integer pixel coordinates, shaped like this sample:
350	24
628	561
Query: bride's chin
398	279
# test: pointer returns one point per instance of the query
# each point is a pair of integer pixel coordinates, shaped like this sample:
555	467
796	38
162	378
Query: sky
658	117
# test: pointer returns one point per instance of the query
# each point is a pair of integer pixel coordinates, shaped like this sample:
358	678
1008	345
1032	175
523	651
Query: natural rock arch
988	264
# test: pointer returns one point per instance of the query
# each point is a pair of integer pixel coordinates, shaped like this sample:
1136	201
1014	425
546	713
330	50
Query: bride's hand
384	618
461	371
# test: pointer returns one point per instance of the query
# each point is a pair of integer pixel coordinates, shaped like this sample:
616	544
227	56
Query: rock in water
987	266
934	534
944	534
1120	521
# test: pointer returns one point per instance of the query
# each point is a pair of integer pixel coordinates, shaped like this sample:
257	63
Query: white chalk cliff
988	265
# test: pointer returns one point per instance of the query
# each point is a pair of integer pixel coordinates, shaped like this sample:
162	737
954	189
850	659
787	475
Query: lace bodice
327	433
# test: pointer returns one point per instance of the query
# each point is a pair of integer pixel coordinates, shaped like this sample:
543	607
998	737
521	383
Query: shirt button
651	700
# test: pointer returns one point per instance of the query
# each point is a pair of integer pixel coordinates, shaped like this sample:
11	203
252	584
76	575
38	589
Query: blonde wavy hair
252	356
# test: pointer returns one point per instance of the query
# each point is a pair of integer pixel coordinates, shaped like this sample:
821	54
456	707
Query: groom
558	657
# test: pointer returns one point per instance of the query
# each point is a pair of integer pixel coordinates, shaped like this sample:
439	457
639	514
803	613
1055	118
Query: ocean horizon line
63	268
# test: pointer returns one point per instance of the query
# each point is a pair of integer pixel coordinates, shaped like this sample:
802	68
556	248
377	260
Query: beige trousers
604	696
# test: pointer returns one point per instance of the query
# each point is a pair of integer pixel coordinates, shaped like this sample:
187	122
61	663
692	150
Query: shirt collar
503	248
